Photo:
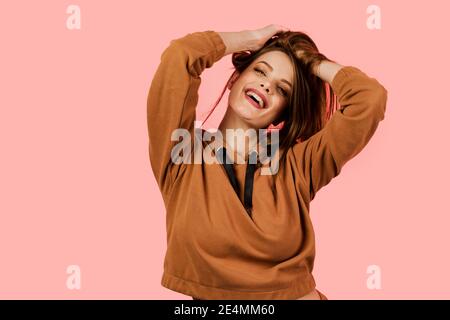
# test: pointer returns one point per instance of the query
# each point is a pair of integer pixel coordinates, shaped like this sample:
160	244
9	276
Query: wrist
326	70
237	41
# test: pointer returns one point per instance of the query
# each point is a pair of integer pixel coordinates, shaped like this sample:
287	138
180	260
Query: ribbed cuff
218	43
341	76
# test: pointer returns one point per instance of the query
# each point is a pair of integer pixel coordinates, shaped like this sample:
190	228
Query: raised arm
173	96
363	103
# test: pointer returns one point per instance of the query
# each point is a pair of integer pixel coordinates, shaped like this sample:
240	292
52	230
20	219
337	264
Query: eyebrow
271	68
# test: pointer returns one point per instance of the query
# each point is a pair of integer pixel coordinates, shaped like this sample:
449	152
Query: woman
234	231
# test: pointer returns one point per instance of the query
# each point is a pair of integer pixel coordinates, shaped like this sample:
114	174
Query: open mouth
254	99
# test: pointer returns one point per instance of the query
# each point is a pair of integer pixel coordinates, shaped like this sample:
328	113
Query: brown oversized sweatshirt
215	250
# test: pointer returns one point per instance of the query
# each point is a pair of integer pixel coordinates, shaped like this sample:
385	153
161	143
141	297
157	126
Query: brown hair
312	101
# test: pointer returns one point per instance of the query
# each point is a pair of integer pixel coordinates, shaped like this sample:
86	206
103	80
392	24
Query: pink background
76	186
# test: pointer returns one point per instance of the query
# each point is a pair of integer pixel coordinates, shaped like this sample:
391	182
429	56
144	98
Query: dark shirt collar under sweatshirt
227	163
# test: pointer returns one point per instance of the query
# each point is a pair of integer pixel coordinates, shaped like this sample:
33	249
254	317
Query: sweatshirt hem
297	289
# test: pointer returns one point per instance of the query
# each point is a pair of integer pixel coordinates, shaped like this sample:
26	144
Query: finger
281	28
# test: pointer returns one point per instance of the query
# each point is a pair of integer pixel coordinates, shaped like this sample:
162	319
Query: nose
267	89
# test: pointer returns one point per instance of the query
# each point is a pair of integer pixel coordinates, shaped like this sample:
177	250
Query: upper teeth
258	98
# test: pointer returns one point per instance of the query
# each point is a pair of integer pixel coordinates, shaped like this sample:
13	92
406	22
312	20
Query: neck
233	122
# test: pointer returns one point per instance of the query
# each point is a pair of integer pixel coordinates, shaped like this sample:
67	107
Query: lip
260	94
253	102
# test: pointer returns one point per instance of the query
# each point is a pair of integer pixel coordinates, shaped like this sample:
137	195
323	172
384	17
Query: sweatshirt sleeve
173	96
363	104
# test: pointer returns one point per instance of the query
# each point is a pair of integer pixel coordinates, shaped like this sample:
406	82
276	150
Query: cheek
234	96
278	109
278	105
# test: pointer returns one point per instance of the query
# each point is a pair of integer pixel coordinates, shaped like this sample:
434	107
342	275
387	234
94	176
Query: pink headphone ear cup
280	125
277	127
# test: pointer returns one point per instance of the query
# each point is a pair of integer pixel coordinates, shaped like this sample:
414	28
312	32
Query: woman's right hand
258	37
252	40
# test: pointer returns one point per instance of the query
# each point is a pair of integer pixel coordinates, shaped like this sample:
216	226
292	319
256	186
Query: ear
233	79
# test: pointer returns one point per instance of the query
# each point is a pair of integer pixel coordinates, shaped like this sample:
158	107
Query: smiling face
260	94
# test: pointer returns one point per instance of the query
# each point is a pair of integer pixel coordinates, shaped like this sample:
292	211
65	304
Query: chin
244	113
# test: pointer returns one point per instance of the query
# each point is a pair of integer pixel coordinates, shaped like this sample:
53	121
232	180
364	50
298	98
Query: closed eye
283	92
